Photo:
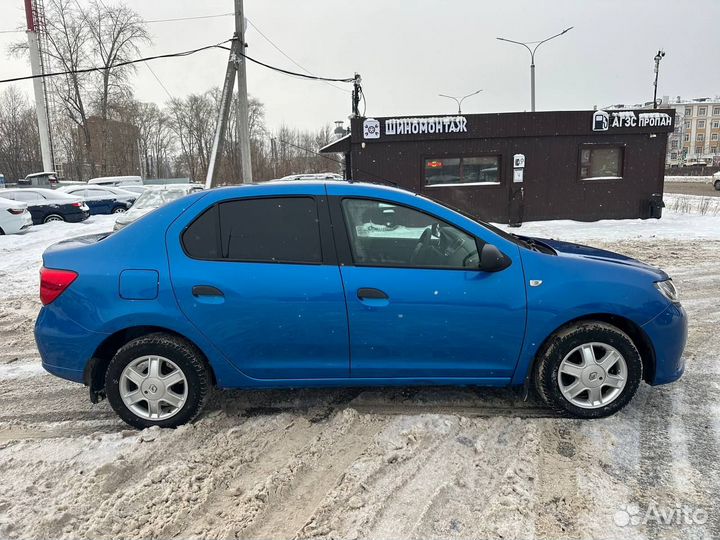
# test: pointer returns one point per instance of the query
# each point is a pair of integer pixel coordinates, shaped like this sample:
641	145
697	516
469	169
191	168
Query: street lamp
659	56
459	100
527	44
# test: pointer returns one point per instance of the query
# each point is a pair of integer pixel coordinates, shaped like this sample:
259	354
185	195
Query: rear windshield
158	197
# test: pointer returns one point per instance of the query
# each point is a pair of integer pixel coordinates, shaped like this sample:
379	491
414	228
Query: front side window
463	170
601	163
384	234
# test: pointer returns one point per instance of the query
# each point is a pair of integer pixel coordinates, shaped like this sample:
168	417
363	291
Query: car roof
160	187
41	191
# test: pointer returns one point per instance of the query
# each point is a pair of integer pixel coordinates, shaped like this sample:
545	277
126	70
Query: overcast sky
409	51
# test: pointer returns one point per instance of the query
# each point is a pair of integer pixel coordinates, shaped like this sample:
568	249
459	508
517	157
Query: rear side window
201	239
282	230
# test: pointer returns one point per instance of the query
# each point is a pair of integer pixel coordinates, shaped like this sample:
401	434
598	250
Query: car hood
568	249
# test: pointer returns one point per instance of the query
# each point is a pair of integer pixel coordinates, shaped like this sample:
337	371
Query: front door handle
206	290
367	293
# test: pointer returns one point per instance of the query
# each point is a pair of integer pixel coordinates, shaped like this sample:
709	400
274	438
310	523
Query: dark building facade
514	167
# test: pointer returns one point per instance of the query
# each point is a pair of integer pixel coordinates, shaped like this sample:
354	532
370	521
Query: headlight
668	290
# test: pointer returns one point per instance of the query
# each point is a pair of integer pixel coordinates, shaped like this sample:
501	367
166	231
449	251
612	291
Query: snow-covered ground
689	179
370	463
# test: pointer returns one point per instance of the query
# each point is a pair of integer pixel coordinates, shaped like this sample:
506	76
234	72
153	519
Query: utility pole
39	88
235	67
242	112
659	56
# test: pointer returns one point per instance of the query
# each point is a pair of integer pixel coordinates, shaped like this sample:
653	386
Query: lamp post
459	100
659	56
532	50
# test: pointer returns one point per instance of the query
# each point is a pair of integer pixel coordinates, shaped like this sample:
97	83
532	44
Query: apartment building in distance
696	138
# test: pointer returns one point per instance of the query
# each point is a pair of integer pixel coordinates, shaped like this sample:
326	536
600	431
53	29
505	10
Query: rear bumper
77	217
65	347
668	333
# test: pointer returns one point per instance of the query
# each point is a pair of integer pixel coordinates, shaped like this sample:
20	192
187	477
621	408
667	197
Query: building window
714	137
465	170
686	137
701	124
687	124
700	137
688	111
716	111
698	150
673	155
674	144
716	124
601	162
713	149
702	111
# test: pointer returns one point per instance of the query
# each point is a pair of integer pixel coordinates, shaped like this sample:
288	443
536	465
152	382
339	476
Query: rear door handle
206	290
371	294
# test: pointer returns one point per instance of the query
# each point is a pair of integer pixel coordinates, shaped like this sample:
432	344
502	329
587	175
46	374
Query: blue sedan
326	284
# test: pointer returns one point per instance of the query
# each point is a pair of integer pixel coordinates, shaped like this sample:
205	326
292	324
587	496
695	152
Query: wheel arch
94	375
634	331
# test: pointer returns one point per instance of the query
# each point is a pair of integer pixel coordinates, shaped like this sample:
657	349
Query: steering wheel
423	242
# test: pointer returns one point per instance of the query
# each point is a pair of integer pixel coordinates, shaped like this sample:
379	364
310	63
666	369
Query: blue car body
301	325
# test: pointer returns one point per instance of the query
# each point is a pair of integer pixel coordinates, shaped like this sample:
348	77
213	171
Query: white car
154	197
716	180
14	217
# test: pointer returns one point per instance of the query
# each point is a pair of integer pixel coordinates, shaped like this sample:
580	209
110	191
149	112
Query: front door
253	276
418	305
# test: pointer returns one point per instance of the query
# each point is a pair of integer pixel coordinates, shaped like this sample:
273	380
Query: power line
271	42
292	73
189	18
159	81
119	64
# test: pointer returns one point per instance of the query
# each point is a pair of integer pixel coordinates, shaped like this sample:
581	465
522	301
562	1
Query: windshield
157	197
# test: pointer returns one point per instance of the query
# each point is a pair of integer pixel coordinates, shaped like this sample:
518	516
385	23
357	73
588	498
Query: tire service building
515	167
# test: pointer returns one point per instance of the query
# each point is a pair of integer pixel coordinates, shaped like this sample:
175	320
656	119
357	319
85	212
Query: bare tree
19	137
116	34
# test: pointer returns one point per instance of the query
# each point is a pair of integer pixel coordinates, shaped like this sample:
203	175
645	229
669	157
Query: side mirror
493	260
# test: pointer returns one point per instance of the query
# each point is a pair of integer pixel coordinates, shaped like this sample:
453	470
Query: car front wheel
589	370
717	185
119	210
157	380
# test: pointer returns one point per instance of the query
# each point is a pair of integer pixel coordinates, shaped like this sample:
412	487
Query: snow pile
21	254
690	179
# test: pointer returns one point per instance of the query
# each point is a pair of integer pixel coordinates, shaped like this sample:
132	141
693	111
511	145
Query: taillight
77	204
16	211
53	283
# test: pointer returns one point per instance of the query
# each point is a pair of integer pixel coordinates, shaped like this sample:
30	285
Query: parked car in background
47	205
716	180
154	197
311	176
325	284
2	181
47	179
102	199
137	190
14	216
117	181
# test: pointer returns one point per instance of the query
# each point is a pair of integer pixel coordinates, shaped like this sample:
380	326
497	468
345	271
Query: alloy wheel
153	387
592	375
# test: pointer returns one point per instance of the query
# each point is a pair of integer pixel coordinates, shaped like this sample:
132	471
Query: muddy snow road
368	463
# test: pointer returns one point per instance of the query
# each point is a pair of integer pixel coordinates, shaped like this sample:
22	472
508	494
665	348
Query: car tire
119	210
582	358
140	395
53	217
717	185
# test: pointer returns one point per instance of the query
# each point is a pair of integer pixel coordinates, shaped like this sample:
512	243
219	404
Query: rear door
418	304
99	200
259	277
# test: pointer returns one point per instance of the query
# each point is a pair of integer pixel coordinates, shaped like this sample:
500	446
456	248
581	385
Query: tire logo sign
371	129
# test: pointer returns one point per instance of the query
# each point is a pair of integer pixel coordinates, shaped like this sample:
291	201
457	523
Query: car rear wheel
157	380
119	210
717	185
53	217
589	370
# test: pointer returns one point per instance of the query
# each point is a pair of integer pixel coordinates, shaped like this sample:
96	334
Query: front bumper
668	334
